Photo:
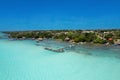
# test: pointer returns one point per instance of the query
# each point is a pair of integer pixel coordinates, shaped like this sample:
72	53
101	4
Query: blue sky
59	14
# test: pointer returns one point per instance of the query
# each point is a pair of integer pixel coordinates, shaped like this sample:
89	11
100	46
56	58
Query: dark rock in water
37	44
116	45
37	41
58	50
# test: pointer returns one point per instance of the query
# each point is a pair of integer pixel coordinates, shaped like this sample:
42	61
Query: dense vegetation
88	36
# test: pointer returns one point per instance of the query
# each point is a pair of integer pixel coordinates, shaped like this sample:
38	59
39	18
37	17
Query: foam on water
23	60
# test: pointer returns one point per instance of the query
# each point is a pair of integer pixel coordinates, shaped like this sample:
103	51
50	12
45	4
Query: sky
59	14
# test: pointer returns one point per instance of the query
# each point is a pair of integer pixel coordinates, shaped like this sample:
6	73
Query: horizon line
57	30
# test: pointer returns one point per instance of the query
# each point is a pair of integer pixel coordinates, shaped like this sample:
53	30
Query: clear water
23	60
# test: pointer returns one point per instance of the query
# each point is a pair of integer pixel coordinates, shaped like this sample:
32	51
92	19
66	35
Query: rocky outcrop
67	39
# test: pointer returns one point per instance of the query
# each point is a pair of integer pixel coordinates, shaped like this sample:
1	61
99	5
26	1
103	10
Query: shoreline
77	37
76	44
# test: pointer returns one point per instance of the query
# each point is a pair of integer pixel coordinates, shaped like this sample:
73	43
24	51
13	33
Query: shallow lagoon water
23	60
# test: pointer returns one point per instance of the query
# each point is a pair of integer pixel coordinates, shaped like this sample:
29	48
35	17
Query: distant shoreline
103	36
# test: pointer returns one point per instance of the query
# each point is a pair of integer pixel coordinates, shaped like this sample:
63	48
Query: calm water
23	60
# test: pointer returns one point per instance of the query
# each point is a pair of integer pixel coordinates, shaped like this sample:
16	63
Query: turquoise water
23	60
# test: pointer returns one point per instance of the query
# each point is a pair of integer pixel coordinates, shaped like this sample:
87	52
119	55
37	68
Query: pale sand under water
23	60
